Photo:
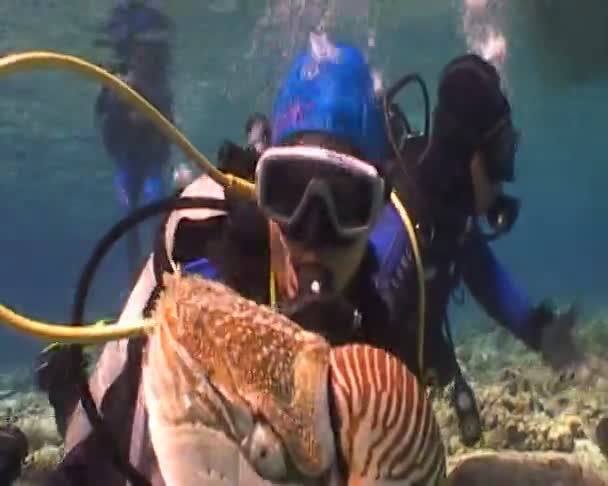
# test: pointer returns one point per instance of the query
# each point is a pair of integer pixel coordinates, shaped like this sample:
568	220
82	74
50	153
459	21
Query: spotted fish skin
386	431
220	360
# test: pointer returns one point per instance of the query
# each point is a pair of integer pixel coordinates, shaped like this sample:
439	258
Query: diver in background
461	174
454	185
139	34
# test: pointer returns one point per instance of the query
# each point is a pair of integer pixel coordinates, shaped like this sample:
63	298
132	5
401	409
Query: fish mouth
192	454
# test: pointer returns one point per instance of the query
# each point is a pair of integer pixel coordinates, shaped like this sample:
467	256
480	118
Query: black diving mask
296	181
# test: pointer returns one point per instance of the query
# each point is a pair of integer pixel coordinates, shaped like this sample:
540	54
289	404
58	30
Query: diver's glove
554	336
13	451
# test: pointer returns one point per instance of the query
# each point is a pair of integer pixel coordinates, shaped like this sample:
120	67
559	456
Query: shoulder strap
390	245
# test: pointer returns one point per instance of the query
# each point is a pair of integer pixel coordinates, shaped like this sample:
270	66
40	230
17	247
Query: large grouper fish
238	394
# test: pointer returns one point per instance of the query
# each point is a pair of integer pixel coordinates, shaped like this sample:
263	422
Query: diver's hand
557	345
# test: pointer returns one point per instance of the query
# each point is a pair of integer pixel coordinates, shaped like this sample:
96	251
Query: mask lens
349	196
353	199
283	188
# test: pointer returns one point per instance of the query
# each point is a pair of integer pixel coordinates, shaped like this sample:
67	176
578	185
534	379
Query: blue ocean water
56	195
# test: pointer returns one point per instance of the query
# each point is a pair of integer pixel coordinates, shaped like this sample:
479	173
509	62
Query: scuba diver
322	243
326	162
139	35
460	176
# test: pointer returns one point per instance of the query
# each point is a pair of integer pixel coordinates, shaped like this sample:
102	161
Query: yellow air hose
94	334
91	334
409	227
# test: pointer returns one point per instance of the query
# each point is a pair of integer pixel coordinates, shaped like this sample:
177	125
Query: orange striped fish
387	432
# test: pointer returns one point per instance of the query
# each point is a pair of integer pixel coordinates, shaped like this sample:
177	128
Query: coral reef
531	410
528	408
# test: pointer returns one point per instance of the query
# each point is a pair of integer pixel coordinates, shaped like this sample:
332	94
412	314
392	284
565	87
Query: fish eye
266	453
